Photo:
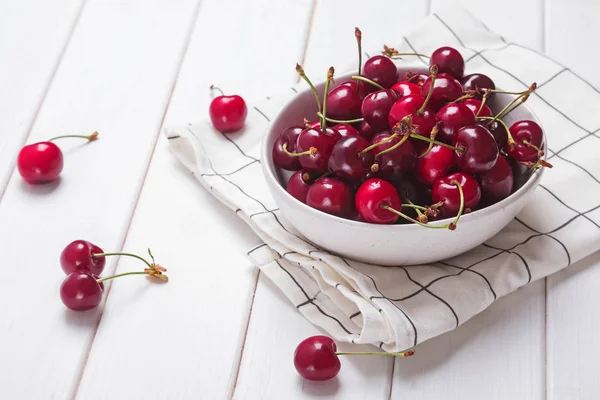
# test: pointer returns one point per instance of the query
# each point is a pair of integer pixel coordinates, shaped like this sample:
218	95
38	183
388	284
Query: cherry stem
432	135
371	147
362	78
414	221
527	143
300	72
463	97
375	353
452	225
396	56
391	53
90	138
330	73
312	151
124	274
338	121
394	147
98	255
358	35
433	71
426	139
420	216
213	87
510	141
522	98
414	206
483	100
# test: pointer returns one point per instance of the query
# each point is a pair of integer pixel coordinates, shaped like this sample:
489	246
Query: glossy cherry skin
348	162
444	190
315	358
343	103
381	70
475	105
406	88
366	130
453	116
281	159
80	291
396	164
376	107
479	150
364	88
497	130
372	195
298	185
323	142
418	79
445	89
410	105
477	82
77	255
332	196
530	132
346	130
40	162
228	113
315	124
497	183
435	165
449	61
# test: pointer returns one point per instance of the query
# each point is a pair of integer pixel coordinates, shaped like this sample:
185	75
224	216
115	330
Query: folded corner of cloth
397	308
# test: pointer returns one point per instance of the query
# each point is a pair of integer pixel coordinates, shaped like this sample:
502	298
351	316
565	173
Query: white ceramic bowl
388	244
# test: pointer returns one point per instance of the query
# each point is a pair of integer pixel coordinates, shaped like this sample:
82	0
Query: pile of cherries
410	148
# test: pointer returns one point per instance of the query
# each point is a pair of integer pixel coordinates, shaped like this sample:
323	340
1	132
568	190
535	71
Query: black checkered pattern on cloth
396	308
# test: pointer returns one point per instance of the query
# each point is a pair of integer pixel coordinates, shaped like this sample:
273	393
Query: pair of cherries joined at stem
83	262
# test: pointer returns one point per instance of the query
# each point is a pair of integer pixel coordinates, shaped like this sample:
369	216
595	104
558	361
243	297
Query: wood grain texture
115	77
198	320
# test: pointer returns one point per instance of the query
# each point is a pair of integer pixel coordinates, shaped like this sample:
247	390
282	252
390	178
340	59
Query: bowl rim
267	160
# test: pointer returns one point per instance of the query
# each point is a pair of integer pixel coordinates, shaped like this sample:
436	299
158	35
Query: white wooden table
219	329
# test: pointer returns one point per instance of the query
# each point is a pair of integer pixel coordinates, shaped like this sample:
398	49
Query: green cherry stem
420	216
414	221
452	225
394	147
521	98
426	139
90	138
483	100
338	121
433	71
414	206
330	73
374	145
152	269
358	35
510	141
312	151
432	135
463	97
213	87
375	353
124	274
98	255
362	78
300	72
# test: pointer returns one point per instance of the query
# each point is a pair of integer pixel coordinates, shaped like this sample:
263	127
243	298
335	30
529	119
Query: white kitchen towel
396	308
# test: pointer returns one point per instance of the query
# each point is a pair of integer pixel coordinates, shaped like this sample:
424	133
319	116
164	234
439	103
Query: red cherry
497	183
477	82
475	105
314	124
298	185
348	161
447	192
80	291
405	88
528	137
397	163
40	162
366	130
478	150
228	113
453	116
372	195
288	137
343	103
330	195
381	70
376	107
77	256
363	88
435	165
497	130
445	90
346	130
410	105
315	358
418	78
311	138
449	61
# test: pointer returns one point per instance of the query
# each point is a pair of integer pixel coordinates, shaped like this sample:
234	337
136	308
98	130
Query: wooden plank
116	77
572	295
190	332
33	36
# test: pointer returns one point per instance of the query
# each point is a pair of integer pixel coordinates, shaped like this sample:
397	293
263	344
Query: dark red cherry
315	124
315	358
445	89
453	116
497	183
382	70
376	107
347	161
478	150
77	255
343	103
475	105
397	163
346	130
366	130
418	78
322	142
526	134
406	88
497	130
477	82
410	105
372	195
435	165
331	196
80	291
364	88
444	190
298	185
289	137
449	61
